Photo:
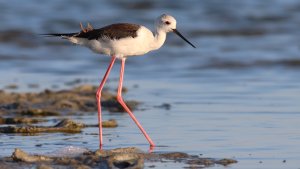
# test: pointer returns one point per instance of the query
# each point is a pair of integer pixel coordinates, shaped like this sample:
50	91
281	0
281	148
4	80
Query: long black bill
179	34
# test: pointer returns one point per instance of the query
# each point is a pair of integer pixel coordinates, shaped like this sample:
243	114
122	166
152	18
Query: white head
167	23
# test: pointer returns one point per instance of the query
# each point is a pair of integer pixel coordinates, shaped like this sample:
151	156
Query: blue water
236	95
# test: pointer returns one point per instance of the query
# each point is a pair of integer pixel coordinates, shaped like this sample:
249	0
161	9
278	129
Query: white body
143	43
121	48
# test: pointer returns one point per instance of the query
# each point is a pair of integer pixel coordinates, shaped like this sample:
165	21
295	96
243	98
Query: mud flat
25	114
55	103
130	157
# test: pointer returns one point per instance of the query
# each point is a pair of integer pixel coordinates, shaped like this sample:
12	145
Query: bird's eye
167	22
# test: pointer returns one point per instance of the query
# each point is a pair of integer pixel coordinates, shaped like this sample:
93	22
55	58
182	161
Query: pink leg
120	100
98	97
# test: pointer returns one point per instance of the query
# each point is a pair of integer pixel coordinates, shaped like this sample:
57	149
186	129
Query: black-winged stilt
120	41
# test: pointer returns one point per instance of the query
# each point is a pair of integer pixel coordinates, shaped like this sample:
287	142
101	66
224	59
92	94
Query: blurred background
236	95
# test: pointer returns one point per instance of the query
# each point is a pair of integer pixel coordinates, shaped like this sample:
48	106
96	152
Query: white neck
159	39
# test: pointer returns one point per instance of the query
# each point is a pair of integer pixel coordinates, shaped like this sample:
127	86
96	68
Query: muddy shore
55	103
130	157
25	113
22	112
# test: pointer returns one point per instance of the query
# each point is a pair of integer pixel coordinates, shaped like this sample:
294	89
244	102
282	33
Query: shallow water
236	95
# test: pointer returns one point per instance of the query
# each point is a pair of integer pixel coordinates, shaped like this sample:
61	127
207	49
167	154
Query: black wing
114	31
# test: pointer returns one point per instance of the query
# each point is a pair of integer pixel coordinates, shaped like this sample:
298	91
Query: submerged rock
165	106
11	86
174	155
110	123
114	106
65	126
225	161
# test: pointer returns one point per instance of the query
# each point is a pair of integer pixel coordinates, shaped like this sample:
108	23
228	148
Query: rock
174	156
107	124
20	155
67	123
110	123
114	106
105	153
66	126
165	106
205	162
125	160
120	158
226	161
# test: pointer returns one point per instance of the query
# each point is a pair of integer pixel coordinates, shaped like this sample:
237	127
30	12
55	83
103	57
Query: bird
121	41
